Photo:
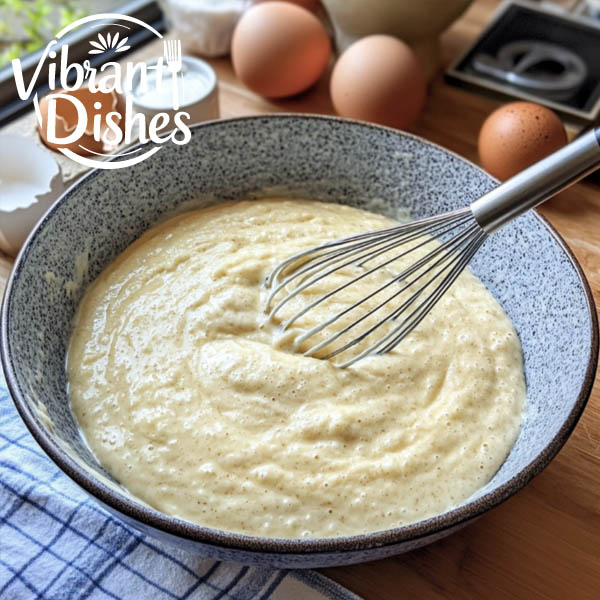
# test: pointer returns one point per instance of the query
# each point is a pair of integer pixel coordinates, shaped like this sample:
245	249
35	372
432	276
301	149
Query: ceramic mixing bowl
526	266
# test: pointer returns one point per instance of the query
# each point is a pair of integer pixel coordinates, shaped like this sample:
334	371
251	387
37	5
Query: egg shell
516	136
379	79
30	181
279	49
66	118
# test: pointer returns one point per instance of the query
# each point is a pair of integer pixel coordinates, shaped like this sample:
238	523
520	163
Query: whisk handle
538	183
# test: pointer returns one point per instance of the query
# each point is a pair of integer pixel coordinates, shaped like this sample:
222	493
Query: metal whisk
454	238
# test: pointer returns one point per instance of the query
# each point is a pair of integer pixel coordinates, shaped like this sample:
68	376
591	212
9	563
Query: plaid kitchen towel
56	543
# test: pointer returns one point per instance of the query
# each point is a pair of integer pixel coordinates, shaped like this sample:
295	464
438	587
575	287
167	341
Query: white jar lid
196	88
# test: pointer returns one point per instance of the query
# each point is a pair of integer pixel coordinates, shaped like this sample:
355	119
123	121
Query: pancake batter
189	403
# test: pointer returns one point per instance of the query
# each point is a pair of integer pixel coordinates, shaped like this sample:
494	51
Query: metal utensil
454	237
517	61
172	53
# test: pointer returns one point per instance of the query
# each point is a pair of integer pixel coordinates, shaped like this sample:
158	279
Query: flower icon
108	43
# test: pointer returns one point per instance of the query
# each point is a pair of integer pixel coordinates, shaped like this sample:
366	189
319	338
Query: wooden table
545	541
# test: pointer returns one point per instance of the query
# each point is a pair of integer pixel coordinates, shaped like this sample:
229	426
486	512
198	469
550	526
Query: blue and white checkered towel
56	543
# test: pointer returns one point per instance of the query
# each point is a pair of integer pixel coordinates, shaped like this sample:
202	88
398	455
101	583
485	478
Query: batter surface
189	403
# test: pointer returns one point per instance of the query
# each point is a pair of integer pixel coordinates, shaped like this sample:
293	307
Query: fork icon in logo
172	53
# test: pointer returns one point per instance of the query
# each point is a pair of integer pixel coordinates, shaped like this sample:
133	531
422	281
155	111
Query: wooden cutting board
545	541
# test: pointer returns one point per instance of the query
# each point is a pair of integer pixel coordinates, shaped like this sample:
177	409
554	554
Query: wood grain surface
545	541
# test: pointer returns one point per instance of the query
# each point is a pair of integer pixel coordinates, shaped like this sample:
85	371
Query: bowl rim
187	530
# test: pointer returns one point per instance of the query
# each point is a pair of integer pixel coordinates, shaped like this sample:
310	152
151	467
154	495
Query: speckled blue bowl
526	266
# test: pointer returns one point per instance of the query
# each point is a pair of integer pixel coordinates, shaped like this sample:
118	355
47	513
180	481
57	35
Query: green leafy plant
27	25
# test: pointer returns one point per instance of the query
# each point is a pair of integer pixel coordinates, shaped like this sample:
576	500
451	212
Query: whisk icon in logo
84	114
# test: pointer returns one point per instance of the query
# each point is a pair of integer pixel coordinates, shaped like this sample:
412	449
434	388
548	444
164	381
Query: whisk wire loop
453	268
450	244
455	237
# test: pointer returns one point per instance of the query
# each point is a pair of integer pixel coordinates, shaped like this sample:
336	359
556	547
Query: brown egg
95	103
378	79
279	49
309	4
517	135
